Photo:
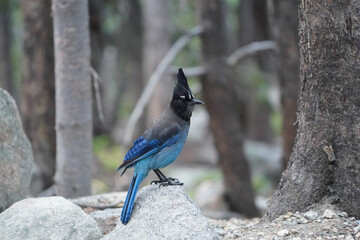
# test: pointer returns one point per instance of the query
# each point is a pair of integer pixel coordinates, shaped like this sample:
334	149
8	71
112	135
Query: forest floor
320	223
324	222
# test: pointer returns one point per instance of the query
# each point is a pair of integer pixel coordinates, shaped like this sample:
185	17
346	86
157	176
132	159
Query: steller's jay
160	144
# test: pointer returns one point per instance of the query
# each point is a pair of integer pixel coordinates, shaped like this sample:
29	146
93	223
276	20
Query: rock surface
164	213
97	207
292	226
47	218
16	157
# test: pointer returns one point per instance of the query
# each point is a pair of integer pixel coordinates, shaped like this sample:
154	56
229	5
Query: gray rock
164	213
301	221
357	229
283	233
16	157
349	237
329	214
357	236
47	218
343	214
311	215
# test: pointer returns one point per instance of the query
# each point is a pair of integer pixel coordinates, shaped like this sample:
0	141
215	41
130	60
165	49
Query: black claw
156	182
173	179
168	182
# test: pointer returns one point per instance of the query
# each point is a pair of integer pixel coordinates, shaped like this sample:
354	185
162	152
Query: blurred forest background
243	133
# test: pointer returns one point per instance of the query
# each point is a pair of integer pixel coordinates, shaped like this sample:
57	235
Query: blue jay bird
160	144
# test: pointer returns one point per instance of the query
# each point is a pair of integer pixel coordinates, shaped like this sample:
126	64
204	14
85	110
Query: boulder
16	157
164	213
47	218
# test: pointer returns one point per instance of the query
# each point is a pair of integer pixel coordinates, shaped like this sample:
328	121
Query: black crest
182	87
183	100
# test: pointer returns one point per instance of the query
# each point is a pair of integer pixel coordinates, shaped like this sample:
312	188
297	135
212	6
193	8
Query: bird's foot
168	181
171	181
157	181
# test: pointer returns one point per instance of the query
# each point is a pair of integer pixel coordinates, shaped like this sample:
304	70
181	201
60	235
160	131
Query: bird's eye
182	97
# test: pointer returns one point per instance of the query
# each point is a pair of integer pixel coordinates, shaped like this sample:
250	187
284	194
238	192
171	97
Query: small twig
235	57
96	79
154	78
119	204
249	49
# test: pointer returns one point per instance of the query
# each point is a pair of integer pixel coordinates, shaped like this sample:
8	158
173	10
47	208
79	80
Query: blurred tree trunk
97	49
325	164
131	52
38	93
284	18
219	98
156	44
73	98
253	26
5	46
253	21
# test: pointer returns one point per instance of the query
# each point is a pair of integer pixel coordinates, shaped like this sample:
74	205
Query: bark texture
283	15
73	98
156	44
325	164
219	99
38	87
5	40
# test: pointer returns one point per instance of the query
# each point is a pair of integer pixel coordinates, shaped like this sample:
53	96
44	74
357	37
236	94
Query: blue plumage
160	144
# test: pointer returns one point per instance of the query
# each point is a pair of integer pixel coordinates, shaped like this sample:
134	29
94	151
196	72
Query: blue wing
150	143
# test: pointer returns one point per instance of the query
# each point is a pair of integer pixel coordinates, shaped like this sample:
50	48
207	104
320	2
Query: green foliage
233	4
190	55
276	122
183	16
214	175
112	19
182	19
260	184
98	186
259	84
110	156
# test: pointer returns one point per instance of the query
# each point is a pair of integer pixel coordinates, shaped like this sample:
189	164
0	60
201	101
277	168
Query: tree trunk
73	98
38	93
131	52
325	164
156	44
219	99
5	40
283	15
253	26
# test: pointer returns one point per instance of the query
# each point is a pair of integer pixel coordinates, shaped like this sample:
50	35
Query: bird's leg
160	175
165	181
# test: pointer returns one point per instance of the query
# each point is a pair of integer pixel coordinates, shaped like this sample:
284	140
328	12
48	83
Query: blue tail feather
130	198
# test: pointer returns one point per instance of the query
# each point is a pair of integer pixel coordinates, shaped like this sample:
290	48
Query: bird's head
183	101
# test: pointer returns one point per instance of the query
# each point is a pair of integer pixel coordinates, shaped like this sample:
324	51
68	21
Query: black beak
195	101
